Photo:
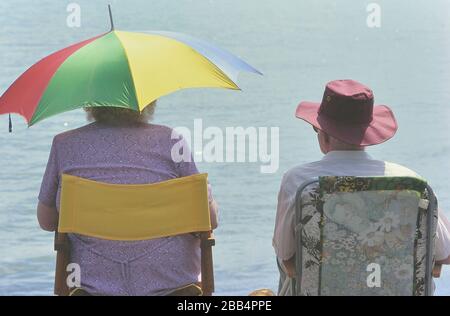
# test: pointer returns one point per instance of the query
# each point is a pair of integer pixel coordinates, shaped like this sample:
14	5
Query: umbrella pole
111	17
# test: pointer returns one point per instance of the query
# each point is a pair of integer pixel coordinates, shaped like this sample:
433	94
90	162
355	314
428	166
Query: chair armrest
62	248
61	242
207	240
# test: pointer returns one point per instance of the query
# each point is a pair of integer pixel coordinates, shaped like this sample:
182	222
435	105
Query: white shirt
339	163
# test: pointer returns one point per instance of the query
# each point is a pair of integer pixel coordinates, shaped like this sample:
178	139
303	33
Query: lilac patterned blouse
123	155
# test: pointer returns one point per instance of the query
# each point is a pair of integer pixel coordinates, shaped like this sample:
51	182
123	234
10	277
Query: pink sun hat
347	112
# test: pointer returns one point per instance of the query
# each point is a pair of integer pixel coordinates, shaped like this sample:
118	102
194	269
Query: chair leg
207	242
62	248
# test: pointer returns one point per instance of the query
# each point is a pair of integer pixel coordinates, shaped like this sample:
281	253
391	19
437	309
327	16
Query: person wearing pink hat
346	121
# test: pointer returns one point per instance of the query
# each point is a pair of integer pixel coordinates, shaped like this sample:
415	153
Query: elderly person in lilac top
345	122
121	147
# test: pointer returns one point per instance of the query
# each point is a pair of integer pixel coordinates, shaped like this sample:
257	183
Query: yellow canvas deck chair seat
134	212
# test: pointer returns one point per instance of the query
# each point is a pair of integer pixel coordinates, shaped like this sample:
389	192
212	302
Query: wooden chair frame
62	248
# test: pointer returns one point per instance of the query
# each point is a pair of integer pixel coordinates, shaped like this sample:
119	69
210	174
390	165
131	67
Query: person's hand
289	266
437	270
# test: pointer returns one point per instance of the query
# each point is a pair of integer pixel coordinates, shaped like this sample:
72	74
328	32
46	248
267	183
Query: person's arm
284	236
442	244
442	240
188	168
213	209
47	217
442	262
47	214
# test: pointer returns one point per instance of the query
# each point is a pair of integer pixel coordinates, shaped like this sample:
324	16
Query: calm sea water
299	45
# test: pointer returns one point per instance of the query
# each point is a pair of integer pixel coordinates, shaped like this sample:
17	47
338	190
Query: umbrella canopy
121	69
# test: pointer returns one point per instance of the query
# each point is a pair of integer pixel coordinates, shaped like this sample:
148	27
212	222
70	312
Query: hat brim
382	127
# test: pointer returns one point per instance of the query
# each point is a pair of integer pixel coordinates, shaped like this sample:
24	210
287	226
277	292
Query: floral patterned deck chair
365	236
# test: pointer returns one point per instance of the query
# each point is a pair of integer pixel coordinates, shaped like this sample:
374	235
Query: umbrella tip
10	124
111	17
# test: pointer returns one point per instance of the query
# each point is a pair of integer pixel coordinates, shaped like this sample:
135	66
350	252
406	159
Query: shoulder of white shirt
302	172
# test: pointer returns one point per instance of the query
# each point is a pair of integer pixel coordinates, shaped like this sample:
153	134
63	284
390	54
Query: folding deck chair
134	212
365	236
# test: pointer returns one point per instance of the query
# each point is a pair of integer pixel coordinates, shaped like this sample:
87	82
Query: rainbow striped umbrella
120	69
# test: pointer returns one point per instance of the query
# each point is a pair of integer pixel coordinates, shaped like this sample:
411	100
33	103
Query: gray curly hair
120	116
